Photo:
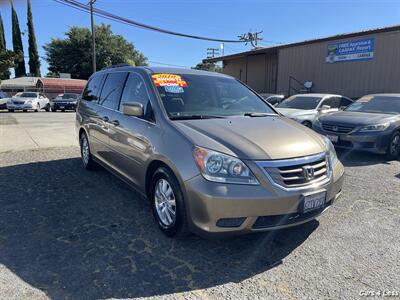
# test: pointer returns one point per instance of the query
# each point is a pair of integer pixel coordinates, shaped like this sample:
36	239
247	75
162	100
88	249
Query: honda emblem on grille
335	128
308	173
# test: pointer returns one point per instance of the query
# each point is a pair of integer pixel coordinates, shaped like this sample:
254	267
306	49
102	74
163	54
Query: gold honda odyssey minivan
210	154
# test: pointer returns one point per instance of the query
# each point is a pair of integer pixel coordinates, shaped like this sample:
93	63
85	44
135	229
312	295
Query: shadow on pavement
79	234
353	158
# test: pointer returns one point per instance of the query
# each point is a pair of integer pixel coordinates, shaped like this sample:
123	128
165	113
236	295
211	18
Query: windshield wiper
258	114
196	117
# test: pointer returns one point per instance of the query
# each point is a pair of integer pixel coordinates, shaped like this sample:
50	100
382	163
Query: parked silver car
305	108
212	156
28	101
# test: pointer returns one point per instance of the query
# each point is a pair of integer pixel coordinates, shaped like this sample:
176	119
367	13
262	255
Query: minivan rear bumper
229	209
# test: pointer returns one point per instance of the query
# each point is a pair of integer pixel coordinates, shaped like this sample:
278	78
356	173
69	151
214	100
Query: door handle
115	122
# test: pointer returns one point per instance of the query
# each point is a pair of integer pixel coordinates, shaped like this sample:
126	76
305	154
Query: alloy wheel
85	150
395	145
164	199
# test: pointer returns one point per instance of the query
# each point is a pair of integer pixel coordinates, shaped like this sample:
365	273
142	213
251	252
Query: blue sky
281	21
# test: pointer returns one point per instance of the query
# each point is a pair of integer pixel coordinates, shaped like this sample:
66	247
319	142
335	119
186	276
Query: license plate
313	201
62	107
333	138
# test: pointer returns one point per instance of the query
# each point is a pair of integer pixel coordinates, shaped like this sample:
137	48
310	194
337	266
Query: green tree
73	54
34	62
17	44
212	67
5	55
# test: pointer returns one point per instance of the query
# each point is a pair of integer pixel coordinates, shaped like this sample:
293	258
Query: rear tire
176	225
47	108
87	160
393	150
24	110
53	110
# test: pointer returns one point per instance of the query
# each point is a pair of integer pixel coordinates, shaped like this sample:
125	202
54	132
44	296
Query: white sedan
28	101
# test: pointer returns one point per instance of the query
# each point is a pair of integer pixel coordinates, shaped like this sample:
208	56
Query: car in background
64	102
210	154
305	108
372	123
28	101
3	100
273	99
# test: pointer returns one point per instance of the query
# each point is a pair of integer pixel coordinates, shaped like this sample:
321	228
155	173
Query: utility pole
93	36
212	52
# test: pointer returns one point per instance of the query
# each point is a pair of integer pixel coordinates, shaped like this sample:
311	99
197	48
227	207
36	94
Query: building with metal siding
268	70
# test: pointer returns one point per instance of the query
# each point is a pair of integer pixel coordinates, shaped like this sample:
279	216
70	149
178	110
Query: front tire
393	150
86	156
307	124
47	108
10	110
168	203
37	107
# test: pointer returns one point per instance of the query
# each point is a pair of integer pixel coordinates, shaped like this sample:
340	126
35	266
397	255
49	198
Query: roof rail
117	66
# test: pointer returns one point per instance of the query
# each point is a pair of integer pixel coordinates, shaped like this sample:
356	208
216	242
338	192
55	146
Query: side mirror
134	109
324	107
342	107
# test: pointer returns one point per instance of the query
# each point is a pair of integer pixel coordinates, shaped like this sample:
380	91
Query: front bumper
63	106
229	209
20	106
376	142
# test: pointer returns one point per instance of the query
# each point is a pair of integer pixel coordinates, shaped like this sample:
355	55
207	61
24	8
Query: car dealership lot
66	232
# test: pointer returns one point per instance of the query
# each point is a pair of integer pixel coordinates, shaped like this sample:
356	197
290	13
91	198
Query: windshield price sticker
174	89
168	80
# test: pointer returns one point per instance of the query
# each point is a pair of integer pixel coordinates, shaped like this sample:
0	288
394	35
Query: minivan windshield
204	96
300	102
28	95
376	104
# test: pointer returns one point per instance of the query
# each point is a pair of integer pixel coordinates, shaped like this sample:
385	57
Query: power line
107	15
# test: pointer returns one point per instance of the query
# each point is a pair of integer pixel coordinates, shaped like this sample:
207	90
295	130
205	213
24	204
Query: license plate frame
333	138
312	201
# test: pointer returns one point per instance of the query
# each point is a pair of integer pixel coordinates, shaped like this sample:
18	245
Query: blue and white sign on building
351	51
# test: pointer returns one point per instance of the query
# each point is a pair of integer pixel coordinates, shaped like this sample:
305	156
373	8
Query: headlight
331	152
317	123
219	167
377	127
29	102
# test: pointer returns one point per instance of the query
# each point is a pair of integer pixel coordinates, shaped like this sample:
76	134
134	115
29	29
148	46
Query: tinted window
376	104
189	94
333	102
92	88
344	102
135	91
300	102
28	95
112	89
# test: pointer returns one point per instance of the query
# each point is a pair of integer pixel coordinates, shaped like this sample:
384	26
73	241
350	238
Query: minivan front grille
297	172
337	128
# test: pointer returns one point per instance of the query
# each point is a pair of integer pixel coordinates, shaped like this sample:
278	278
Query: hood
357	118
24	99
258	138
293	112
65	100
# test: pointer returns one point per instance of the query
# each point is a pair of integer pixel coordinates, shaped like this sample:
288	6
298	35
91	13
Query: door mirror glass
134	109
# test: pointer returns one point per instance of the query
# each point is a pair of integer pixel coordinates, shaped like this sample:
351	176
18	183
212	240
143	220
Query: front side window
204	95
135	91
112	89
344	102
300	102
91	91
376	104
332	102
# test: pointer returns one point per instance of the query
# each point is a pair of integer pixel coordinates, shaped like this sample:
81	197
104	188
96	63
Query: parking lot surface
69	233
30	130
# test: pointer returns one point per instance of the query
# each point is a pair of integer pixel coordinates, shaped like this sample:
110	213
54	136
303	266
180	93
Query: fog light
230	222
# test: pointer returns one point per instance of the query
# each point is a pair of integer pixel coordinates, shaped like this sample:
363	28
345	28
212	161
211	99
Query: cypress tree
34	62
3	48
17	44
